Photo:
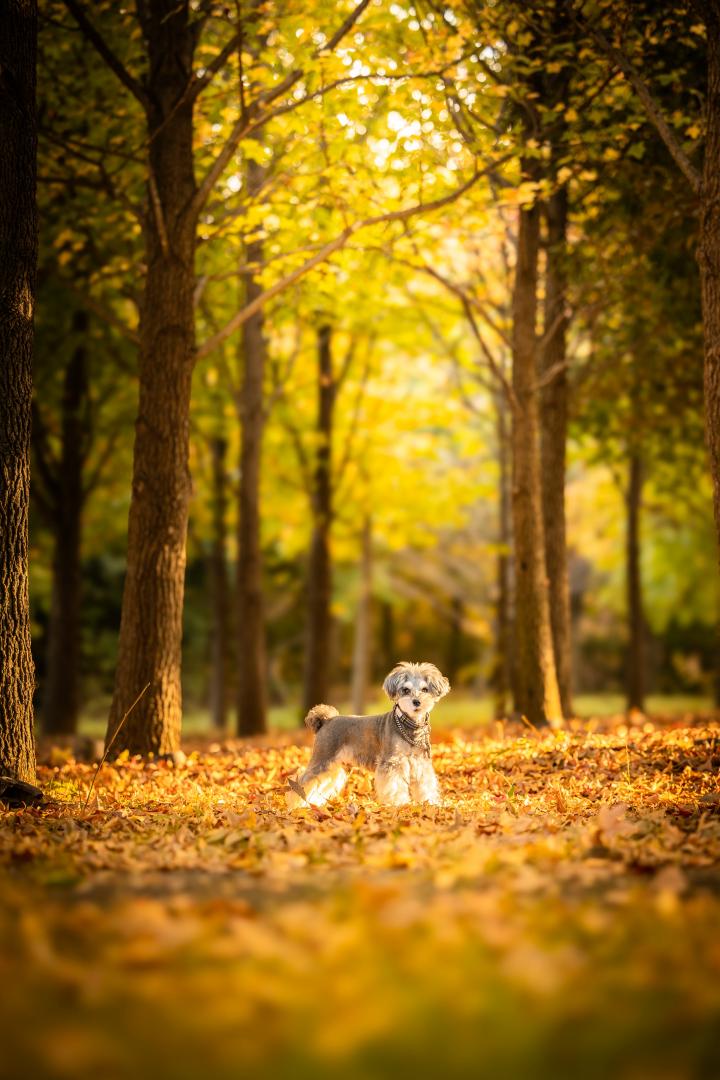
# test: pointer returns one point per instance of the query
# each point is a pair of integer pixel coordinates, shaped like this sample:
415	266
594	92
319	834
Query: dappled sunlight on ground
558	916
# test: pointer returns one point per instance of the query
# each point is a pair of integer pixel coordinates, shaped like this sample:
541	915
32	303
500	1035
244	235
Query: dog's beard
415	712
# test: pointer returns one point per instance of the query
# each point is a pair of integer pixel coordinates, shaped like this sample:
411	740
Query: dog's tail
319	715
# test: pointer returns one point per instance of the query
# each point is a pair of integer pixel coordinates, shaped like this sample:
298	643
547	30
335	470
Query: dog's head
415	687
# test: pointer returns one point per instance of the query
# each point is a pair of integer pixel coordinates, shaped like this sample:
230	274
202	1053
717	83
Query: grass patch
459	710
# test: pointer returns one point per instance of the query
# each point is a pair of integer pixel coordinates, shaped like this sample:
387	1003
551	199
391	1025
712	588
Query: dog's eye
424	690
406	689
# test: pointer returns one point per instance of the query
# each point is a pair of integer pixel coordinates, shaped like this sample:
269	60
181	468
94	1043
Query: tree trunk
553	413
502	672
219	676
149	648
363	624
708	254
536	690
453	659
387	636
62	688
636	617
61	700
319	588
252	656
18	264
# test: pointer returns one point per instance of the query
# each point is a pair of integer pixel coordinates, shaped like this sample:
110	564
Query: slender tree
219	587
554	423
362	647
18	263
502	665
58	489
536	689
454	654
635	674
252	651
319	579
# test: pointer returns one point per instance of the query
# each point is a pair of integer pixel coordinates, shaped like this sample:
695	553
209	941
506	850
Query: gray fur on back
358	740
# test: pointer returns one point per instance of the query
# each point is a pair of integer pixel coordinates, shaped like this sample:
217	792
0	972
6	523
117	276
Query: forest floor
558	916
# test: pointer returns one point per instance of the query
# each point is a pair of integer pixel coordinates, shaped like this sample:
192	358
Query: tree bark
708	255
61	701
453	659
363	624
501	680
219	676
636	617
18	264
387	635
319	586
149	648
252	655
554	414
536	690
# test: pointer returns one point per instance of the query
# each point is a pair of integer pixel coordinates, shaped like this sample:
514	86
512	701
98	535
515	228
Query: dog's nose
416	703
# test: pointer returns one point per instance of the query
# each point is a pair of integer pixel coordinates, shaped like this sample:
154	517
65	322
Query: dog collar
416	734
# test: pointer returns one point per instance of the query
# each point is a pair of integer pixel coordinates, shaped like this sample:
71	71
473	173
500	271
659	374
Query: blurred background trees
364	176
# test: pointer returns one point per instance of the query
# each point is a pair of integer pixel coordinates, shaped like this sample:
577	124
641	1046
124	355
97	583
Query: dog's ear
439	685
395	679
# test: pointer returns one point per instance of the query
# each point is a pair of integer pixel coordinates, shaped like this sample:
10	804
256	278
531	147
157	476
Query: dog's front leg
424	785
392	783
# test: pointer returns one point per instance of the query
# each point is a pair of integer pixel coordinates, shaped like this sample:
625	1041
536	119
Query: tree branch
94	477
342	30
462	294
326	251
255	118
201	81
101	311
346	456
103	49
46	462
652	109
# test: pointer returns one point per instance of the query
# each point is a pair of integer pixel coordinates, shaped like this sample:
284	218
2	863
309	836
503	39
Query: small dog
396	744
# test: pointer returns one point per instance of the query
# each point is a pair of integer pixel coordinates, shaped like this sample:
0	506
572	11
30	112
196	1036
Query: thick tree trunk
61	700
18	263
501	679
708	254
220	668
149	649
636	616
554	413
252	656
536	690
319	585
363	624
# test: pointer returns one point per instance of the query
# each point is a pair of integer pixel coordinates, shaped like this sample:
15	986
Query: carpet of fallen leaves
558	916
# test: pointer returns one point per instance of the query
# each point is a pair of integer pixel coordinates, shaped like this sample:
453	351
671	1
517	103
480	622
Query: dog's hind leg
320	782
